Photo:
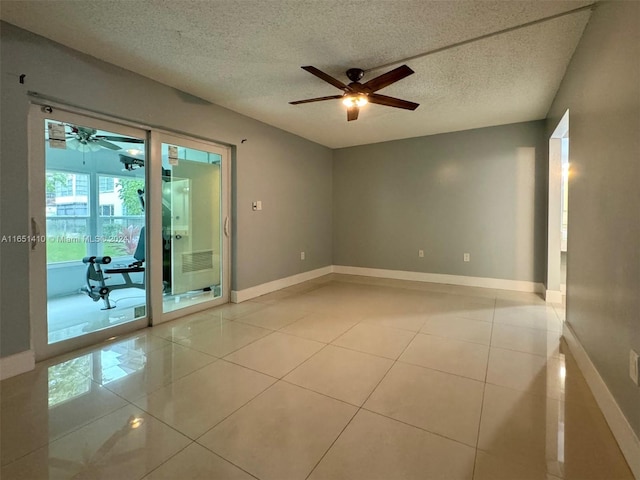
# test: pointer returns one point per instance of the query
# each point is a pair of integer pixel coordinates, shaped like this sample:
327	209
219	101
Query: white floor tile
224	338
382	341
458	328
276	354
196	462
321	327
528	340
125	444
438	402
281	434
373	447
452	356
341	373
194	404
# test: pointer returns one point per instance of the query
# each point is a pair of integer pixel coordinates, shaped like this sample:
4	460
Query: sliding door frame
158	137
43	108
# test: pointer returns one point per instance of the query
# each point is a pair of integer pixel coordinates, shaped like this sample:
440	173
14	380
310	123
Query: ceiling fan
358	94
86	139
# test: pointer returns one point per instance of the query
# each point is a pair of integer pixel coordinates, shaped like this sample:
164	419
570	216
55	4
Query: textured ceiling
246	55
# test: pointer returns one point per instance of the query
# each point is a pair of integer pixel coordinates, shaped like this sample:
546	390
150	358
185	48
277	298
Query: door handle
226	226
35	233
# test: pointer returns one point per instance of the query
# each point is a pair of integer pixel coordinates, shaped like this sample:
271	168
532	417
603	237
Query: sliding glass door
130	227
194	224
88	218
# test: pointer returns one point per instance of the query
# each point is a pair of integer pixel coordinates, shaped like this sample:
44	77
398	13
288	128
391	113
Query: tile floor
342	377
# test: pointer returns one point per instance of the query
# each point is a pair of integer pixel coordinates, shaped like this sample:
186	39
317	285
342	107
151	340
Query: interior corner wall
292	176
601	89
481	192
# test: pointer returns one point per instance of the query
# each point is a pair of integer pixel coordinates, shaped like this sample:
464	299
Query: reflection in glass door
88	206
95	229
193	202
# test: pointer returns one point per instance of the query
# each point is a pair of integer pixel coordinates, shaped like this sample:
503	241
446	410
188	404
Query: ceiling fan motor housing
355	74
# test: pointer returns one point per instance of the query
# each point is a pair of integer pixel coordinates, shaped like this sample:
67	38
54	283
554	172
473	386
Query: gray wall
479	191
291	176
601	89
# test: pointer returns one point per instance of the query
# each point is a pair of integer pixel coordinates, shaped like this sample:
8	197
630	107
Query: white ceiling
246	55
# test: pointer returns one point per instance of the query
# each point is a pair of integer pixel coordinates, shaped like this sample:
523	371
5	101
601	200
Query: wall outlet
467	257
634	360
421	253
302	256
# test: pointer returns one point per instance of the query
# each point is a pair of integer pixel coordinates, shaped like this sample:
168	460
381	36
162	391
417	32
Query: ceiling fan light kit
82	145
356	94
86	139
355	100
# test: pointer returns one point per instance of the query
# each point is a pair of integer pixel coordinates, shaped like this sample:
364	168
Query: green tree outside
128	194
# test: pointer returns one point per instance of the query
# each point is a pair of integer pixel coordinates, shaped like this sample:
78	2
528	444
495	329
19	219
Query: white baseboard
16	364
497	283
553	296
620	427
253	292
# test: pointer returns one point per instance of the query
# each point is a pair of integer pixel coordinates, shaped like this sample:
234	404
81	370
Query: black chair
96	286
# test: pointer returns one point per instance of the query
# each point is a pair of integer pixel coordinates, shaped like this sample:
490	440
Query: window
72	218
72	209
64	186
106	184
82	185
67	194
106	210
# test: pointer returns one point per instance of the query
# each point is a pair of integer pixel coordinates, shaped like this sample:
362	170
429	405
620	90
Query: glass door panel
192	225
89	200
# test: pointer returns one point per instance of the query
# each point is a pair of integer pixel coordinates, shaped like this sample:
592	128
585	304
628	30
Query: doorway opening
558	212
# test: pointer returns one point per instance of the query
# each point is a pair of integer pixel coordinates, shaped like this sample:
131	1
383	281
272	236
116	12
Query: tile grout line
216	358
229	415
109	412
394	361
430	432
146	474
228	461
484	388
363	403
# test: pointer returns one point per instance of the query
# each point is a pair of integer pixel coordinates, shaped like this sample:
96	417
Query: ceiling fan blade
352	113
387	79
392	101
115	138
105	144
73	144
327	78
319	99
